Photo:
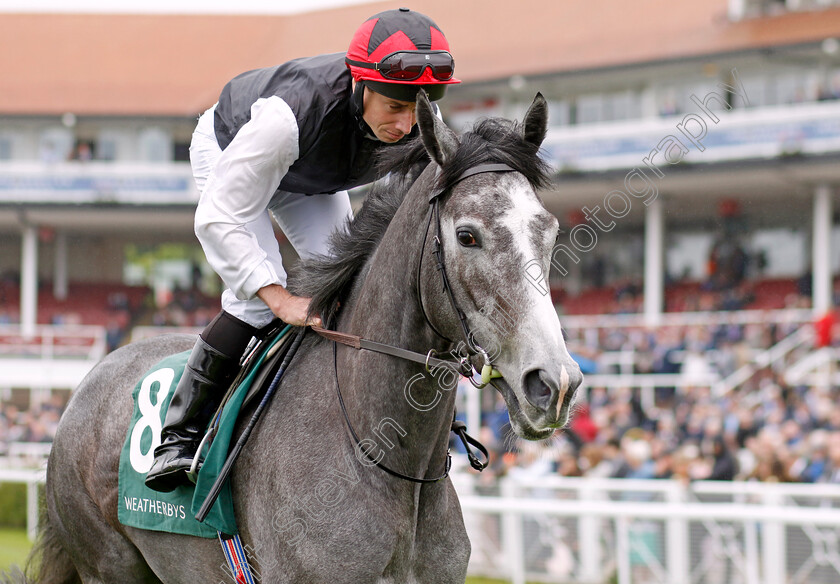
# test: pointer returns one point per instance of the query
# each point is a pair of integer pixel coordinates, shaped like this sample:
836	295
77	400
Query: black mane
328	280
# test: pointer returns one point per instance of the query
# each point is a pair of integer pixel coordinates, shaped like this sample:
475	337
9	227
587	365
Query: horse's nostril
536	390
575	381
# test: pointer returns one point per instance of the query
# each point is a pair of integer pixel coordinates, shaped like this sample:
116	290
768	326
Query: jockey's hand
287	307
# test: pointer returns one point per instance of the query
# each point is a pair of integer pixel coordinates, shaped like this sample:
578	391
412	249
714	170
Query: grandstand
696	149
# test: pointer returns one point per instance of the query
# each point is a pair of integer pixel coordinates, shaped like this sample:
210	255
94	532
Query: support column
60	267
821	250
591	564
512	536
473	406
654	262
773	545
32	510
676	529
29	281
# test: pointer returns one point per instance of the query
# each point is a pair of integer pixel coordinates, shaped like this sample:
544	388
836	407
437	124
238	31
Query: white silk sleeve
237	194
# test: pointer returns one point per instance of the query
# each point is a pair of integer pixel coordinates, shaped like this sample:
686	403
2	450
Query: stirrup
197	462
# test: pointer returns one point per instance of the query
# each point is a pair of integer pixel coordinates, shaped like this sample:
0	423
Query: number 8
142	462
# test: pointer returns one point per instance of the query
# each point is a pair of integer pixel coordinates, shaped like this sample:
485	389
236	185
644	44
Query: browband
481	168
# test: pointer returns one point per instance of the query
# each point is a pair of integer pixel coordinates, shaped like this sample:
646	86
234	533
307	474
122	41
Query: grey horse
310	504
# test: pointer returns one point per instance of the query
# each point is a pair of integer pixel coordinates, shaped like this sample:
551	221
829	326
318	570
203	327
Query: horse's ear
440	142
535	124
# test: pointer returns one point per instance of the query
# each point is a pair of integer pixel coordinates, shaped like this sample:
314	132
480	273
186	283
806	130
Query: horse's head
494	228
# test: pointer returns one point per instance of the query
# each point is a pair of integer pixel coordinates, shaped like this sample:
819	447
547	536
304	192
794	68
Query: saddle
263	366
174	511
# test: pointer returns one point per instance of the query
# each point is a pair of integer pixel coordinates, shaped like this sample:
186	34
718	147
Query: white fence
48	342
52	357
785	316
594	531
32	479
139	333
572	530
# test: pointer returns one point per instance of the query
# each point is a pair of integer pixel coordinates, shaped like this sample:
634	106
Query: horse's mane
328	279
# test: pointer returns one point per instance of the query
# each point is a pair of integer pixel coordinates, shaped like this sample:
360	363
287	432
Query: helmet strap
357	108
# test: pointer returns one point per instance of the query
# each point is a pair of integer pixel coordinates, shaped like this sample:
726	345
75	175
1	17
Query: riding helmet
392	32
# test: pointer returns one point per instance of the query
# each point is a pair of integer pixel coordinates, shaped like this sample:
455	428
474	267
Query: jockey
276	136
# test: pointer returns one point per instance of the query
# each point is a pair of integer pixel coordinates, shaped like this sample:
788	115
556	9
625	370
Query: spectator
583	426
724	466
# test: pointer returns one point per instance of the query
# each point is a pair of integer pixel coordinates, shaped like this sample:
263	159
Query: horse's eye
466	238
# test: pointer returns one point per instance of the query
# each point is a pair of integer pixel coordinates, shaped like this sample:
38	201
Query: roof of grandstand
117	64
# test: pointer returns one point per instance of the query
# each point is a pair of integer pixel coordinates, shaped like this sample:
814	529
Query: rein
462	366
359	447
458	426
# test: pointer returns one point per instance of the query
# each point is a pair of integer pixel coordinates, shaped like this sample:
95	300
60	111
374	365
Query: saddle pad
174	512
140	506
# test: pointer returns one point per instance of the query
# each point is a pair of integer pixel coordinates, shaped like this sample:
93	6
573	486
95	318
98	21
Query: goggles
409	65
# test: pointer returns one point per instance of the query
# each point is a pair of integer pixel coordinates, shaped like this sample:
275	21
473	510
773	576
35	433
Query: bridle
487	371
463	365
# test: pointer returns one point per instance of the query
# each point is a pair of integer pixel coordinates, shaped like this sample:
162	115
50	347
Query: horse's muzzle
552	393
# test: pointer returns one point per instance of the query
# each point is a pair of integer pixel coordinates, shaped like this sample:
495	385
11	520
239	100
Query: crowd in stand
765	430
186	308
691	350
35	424
773	433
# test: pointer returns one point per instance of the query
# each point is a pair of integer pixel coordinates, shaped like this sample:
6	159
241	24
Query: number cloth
140	506
174	512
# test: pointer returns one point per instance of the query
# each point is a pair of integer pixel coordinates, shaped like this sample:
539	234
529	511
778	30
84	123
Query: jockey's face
390	119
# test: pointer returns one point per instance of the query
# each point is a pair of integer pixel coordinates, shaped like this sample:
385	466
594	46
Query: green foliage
146	256
12	505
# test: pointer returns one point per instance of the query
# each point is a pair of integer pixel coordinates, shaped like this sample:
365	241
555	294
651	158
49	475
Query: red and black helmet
397	52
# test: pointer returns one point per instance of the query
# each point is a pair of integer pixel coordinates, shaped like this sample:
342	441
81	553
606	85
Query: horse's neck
380	389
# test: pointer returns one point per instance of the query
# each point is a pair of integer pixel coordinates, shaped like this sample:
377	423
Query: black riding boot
206	378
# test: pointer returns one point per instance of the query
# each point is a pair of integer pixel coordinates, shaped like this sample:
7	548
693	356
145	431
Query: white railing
32	479
27	455
86	342
139	333
136	183
764	132
790	316
587	531
817	369
43	375
625	360
647	383
772	357
52	357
